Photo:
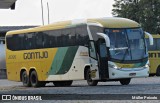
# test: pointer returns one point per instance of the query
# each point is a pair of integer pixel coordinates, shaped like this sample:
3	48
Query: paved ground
137	86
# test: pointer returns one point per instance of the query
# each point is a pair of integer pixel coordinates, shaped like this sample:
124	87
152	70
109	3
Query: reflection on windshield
126	44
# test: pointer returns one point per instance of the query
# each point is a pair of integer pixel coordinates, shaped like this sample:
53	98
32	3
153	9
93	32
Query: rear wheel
125	81
62	83
25	79
34	80
89	80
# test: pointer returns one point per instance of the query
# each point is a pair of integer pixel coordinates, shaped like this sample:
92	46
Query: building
4	29
6	4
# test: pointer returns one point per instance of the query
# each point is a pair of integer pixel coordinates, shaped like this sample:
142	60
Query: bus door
93	60
102	59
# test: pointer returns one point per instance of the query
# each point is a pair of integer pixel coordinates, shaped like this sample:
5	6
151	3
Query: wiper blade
129	48
127	51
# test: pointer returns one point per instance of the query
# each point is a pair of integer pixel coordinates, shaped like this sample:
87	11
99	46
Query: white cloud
28	12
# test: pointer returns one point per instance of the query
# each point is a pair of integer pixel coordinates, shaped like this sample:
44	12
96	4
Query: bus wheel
34	79
25	79
158	71
89	80
62	83
125	81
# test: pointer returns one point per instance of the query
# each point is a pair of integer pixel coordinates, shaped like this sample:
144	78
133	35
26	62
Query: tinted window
158	44
49	39
155	46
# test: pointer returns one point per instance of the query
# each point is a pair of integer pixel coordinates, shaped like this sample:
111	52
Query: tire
89	80
62	83
125	81
158	71
34	80
25	79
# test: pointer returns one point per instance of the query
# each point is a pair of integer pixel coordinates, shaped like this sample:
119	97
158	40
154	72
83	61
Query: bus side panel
29	59
81	59
13	63
154	60
46	64
68	64
13	72
61	63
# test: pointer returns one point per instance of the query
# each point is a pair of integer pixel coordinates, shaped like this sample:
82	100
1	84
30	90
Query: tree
146	12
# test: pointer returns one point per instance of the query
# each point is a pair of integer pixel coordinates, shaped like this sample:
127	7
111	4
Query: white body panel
76	71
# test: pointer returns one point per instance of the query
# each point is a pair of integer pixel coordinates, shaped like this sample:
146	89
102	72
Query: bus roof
112	22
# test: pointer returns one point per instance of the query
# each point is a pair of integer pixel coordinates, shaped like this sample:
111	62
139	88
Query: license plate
132	74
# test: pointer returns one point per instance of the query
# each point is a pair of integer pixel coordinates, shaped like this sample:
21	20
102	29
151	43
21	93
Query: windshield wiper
127	51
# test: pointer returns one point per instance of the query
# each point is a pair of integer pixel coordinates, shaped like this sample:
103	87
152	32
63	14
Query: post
48	13
42	12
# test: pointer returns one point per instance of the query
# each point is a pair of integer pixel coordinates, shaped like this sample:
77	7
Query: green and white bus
96	50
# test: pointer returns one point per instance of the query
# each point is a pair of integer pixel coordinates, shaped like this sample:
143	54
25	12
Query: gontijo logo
35	55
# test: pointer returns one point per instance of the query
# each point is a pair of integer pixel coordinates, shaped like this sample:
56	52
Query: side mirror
150	38
106	38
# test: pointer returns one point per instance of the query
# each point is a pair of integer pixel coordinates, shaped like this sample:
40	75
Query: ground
139	86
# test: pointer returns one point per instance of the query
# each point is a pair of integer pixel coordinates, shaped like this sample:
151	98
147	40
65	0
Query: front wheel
89	79
125	81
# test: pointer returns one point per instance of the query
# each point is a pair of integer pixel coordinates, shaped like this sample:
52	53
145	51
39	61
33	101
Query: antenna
48	13
42	12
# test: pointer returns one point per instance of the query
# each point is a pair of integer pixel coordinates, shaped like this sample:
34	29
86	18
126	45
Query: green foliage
146	12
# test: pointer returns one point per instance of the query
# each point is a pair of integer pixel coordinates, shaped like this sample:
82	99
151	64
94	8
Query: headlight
114	66
146	66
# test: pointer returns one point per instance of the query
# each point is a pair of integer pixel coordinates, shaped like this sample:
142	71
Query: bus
154	55
95	50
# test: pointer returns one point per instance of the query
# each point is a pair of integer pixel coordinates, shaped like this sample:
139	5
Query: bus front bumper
128	72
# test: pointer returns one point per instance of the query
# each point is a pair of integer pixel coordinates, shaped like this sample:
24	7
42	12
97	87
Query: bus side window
151	47
92	50
82	36
39	40
158	44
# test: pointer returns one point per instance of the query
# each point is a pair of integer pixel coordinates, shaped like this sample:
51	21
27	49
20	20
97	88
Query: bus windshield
127	44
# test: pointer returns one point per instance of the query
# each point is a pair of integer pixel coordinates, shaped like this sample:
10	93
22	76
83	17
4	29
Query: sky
29	12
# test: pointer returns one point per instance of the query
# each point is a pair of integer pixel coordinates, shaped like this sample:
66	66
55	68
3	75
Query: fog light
113	74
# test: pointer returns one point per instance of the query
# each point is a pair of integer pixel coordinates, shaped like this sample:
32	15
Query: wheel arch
158	70
85	69
32	69
22	70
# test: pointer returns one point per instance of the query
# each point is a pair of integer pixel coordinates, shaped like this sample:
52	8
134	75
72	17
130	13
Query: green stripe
63	60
